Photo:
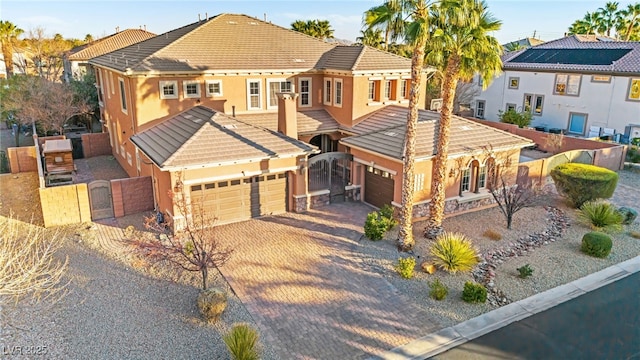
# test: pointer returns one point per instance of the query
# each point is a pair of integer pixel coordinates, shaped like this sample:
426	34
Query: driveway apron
299	275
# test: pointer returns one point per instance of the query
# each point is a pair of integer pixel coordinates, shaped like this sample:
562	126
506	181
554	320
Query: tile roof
309	121
230	42
466	135
578	53
203	137
361	58
110	43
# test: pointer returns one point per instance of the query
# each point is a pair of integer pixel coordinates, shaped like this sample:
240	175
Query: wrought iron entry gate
330	171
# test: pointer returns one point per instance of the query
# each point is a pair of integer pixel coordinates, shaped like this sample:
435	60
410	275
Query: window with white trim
191	89
404	89
418	182
510	106
514	82
168	89
387	89
213	88
304	88
138	161
99	85
327	91
113	90
123	96
577	123
465	183
567	85
480	106
482	176
105	84
274	86
254	94
372	91
337	101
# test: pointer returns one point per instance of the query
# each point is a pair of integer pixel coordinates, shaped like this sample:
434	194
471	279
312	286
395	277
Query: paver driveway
301	278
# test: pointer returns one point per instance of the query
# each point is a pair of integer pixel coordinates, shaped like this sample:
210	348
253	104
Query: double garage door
378	187
242	199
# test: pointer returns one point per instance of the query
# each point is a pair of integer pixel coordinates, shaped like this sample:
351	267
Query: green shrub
600	215
596	244
635	141
629	215
242	342
633	155
580	183
525	271
438	290
4	163
453	252
492	234
474	293
374	226
522	119
405	267
386	215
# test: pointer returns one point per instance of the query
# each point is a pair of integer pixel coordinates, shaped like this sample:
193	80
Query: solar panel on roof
571	56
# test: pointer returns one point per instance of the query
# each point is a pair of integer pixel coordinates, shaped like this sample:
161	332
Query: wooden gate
100	199
330	171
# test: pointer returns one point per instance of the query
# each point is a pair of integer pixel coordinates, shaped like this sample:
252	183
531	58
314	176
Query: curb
445	339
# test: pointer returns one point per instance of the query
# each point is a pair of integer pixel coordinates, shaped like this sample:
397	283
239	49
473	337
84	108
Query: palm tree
459	44
608	17
631	18
389	17
587	25
371	37
317	28
9	34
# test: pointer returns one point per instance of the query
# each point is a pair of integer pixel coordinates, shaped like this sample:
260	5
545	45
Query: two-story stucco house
248	118
581	85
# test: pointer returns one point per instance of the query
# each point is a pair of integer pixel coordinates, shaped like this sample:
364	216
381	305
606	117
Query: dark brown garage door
242	199
378	187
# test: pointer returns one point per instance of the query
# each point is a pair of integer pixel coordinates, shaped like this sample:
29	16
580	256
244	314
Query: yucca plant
600	215
453	252
242	342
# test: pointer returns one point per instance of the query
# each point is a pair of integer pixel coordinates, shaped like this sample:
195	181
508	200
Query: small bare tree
554	143
466	92
28	267
194	247
510	194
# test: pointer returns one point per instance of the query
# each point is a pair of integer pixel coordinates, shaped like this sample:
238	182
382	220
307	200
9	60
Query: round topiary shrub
212	303
596	244
580	183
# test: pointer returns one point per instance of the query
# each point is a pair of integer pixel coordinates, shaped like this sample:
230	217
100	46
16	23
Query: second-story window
253	95
387	89
168	89
567	85
327	91
123	96
404	89
214	88
304	87
191	89
338	93
276	86
372	90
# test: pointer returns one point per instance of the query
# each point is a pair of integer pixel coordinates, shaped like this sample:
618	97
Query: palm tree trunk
405	235
438	182
7	53
630	28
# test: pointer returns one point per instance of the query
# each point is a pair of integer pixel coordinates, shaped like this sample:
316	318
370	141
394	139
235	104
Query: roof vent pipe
233	110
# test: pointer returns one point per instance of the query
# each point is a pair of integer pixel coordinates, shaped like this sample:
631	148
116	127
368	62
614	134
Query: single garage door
242	199
378	187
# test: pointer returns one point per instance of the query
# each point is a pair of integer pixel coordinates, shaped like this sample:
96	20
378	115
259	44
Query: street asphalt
601	324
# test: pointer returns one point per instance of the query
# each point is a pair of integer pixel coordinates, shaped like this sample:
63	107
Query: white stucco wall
604	103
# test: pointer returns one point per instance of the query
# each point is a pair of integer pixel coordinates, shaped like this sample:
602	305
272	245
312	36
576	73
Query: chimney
287	119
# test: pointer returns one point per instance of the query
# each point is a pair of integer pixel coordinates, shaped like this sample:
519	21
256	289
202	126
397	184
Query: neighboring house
522	44
580	85
19	62
246	117
76	60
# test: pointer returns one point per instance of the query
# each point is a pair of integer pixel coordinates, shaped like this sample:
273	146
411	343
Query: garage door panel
378	189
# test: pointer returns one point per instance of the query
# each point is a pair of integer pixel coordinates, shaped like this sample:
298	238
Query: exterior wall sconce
453	172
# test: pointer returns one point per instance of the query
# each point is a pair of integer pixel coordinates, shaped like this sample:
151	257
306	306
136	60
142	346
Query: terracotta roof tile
229	42
203	137
466	136
110	43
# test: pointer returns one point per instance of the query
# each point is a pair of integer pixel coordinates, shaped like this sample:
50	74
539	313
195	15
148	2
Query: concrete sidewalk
451	337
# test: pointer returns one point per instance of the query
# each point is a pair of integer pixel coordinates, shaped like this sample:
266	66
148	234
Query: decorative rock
428	267
212	303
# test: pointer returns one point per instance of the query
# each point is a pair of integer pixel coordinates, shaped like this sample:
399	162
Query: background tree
608	17
9	34
389	17
88	38
85	91
371	37
320	29
625	22
466	91
460	45
630	29
194	248
588	25
46	59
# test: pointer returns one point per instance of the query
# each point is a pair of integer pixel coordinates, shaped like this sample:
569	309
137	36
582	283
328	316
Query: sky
545	19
